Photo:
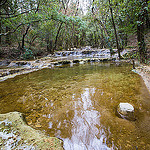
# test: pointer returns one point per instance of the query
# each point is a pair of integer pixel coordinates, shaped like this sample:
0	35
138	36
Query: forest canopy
50	25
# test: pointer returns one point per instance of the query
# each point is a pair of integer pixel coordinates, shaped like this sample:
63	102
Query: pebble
38	126
128	146
142	143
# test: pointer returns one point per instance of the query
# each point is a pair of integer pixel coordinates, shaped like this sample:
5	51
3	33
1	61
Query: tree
57	25
114	26
140	32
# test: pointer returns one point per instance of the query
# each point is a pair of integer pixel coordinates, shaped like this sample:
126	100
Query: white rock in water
126	107
126	110
81	62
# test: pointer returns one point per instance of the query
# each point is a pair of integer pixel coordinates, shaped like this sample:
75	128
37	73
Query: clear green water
78	105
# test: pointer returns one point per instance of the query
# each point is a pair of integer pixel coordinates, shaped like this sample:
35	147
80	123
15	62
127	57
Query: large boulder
126	111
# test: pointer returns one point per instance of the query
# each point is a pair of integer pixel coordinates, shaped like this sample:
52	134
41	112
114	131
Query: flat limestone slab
16	134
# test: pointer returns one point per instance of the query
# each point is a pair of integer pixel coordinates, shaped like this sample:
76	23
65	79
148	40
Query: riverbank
16	134
144	72
23	67
10	69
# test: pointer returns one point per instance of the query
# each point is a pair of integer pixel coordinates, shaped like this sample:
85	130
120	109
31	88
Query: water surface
78	104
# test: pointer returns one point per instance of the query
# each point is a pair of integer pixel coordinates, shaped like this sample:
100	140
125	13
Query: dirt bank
144	72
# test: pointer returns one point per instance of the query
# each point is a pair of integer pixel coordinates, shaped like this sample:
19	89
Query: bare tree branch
3	3
4	34
40	20
76	13
37	9
16	14
21	24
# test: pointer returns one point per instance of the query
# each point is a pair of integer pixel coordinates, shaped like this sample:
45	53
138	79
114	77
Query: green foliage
130	47
57	22
131	55
28	54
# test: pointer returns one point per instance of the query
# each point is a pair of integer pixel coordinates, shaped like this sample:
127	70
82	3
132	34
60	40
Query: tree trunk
56	39
147	15
140	38
102	40
126	39
24	35
82	39
95	39
114	26
0	32
8	36
47	42
77	41
49	45
33	39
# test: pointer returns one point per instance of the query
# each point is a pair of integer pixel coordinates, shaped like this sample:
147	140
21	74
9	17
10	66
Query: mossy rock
23	135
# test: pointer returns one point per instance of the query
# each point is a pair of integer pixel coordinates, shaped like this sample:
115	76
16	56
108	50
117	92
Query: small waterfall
84	53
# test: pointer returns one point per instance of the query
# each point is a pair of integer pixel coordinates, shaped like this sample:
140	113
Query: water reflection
86	125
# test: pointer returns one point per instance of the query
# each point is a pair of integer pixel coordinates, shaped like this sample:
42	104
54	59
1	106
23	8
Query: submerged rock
126	111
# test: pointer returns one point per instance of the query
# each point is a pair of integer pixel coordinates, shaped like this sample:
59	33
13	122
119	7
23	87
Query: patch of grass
130	47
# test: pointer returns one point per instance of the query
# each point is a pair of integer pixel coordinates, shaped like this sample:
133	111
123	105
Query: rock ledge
16	134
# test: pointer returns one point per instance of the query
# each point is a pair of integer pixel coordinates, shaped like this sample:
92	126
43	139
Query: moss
29	136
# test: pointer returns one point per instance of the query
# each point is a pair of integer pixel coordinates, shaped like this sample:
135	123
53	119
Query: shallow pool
78	105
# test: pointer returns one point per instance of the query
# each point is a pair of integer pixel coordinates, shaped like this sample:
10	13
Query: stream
78	105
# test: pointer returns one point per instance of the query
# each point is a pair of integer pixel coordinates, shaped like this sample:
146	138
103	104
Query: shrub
28	54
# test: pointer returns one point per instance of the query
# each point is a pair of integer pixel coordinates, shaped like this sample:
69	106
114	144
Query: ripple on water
86	124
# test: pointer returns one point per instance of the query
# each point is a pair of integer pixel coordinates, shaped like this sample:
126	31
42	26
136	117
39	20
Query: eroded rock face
13	64
10	69
16	134
4	63
126	111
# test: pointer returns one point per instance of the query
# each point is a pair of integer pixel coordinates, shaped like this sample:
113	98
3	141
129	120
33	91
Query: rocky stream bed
9	69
